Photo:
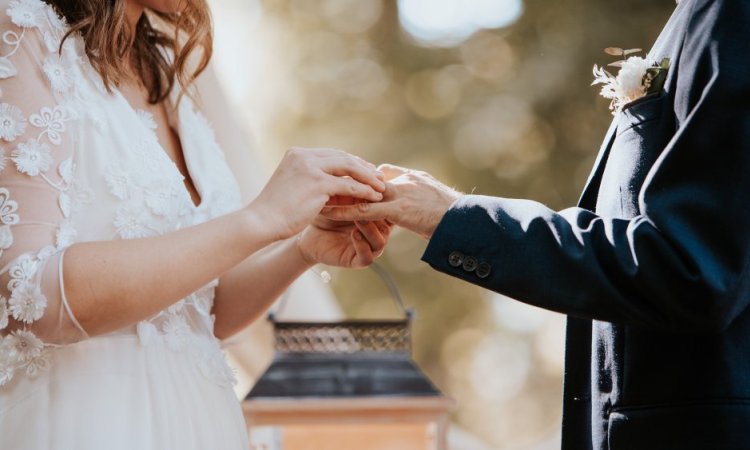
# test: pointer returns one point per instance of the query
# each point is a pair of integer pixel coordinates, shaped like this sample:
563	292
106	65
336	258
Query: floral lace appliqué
52	120
172	329
58	72
133	221
25	13
21	349
32	157
12	122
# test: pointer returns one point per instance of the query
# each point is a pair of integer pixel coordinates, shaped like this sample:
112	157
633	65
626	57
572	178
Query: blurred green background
490	96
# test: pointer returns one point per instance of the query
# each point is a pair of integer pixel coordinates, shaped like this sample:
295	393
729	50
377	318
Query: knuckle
315	175
403	207
364	162
297	155
309	166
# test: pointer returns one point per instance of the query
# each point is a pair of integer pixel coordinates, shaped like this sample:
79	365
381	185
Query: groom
652	267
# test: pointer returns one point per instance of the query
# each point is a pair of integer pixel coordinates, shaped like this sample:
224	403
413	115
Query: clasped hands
341	209
412	199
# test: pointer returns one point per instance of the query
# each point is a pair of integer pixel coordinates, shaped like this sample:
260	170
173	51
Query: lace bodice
79	164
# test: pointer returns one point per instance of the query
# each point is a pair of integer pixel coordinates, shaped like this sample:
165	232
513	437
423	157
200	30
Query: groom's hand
413	200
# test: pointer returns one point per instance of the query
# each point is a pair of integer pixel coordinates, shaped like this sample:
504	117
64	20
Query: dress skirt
113	393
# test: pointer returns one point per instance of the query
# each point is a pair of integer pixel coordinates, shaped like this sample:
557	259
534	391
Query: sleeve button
470	264
455	259
483	270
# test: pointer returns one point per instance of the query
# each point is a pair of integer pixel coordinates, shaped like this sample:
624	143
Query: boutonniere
637	77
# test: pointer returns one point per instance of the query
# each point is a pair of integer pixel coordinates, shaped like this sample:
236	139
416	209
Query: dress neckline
61	27
174	124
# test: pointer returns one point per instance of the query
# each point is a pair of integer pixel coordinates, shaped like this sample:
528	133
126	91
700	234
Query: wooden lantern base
385	423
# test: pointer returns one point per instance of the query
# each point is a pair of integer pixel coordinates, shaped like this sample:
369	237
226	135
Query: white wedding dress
79	164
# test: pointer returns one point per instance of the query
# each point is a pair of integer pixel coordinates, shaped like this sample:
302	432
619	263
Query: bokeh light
448	22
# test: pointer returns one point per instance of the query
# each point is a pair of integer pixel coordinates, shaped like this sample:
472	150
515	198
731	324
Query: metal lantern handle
381	272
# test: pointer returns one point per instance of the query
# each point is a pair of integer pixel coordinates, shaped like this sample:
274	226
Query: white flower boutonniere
637	78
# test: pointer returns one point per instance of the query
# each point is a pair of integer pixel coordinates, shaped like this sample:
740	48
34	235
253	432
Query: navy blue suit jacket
652	266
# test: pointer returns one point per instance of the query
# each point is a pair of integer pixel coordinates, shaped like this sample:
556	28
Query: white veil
251	350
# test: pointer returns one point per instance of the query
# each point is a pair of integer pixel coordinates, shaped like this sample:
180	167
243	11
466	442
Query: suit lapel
669	37
591	189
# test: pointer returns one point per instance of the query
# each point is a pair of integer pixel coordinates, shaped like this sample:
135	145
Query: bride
125	250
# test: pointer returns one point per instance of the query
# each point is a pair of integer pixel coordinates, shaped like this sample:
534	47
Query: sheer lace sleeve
36	184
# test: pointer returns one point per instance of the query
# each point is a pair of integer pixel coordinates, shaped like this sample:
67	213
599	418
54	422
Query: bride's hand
414	200
345	244
305	181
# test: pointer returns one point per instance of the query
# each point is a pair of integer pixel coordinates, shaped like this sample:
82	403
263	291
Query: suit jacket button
455	259
483	270
470	263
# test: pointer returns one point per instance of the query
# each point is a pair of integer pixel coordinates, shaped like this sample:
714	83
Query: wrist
256	227
437	216
306	258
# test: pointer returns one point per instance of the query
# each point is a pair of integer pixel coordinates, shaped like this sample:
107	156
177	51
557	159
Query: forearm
112	284
581	264
252	286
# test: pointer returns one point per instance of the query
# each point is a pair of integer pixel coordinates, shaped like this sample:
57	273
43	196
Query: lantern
346	385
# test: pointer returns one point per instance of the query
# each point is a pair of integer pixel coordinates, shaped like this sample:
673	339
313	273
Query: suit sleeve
682	263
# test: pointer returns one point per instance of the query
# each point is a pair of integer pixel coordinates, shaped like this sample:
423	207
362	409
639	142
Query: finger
357	158
358	170
333	152
385	227
374	177
360	211
317	154
372	235
338	200
352	188
365	256
391	171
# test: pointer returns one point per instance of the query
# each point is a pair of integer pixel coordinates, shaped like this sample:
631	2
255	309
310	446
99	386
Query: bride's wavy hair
108	36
